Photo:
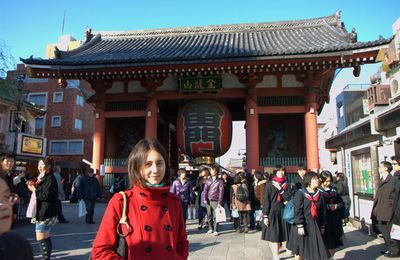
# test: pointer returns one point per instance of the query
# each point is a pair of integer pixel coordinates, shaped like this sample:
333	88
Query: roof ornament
338	15
57	53
88	34
353	35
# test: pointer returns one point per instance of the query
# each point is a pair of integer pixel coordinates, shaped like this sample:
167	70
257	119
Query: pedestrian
199	189
310	219
252	197
12	245
182	187
118	184
240	202
294	237
227	193
154	214
259	183
89	190
61	194
395	196
213	197
277	193
342	189
334	233
382	210
7	164
46	192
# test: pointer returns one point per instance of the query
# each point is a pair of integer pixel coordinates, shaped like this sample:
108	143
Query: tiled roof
211	43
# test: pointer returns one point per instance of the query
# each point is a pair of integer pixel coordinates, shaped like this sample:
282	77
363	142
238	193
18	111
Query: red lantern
204	129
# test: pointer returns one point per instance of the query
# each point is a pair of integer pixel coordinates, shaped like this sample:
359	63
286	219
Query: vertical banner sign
204	128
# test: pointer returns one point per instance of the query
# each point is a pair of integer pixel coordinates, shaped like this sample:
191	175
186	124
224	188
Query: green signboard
199	84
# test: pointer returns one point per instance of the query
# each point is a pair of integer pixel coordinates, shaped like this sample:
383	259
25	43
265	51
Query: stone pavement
73	241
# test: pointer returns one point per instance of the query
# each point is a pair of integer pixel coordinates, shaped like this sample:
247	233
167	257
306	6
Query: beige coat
240	206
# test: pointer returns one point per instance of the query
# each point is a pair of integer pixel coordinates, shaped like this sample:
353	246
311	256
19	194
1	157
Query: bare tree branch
7	61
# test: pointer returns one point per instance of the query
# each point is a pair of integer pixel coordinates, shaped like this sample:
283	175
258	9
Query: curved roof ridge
82	47
333	20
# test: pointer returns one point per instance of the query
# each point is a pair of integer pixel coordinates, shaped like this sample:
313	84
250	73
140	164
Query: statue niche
278	142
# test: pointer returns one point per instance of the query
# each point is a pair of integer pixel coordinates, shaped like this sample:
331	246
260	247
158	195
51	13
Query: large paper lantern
204	130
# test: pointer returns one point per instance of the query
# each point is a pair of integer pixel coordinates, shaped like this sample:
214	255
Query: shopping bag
258	215
31	210
81	208
235	213
395	232
220	215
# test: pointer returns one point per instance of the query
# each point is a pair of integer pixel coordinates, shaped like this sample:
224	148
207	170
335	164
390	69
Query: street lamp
19	80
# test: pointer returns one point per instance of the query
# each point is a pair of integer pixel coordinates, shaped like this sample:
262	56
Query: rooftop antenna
63	22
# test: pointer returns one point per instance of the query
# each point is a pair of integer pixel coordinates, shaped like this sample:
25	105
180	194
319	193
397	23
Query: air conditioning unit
395	88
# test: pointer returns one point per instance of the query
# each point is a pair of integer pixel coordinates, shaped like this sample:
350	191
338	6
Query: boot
45	248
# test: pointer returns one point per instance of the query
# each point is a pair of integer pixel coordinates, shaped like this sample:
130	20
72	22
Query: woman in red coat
157	230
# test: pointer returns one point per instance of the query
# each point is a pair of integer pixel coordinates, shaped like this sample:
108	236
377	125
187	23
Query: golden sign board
32	145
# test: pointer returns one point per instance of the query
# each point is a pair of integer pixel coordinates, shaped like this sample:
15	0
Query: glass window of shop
363	181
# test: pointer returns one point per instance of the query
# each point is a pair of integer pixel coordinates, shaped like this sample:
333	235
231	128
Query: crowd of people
148	220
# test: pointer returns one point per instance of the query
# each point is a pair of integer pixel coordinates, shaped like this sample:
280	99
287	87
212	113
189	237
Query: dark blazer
47	198
383	204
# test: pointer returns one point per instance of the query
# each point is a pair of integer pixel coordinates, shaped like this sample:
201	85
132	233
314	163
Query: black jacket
383	204
395	195
47	198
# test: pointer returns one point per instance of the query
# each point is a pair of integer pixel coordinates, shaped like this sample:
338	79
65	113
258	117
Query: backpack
288	212
242	193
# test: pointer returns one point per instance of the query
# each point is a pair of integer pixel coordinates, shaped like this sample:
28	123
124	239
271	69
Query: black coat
297	182
395	195
47	198
383	204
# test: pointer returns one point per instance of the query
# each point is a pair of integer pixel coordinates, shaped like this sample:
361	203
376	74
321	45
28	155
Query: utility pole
19	80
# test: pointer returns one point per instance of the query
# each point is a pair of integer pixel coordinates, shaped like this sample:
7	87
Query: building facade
370	130
274	76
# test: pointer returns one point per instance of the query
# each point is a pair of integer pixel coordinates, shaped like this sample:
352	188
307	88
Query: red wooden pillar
311	136
252	135
98	141
151	119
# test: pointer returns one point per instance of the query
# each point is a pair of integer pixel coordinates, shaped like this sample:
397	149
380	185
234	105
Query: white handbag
220	215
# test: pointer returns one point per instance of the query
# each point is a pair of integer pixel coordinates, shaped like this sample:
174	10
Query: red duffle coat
157	227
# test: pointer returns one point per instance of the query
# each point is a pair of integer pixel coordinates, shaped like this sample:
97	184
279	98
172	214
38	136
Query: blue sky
26	26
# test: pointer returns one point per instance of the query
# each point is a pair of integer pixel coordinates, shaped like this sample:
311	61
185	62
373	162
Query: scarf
282	184
313	199
162	184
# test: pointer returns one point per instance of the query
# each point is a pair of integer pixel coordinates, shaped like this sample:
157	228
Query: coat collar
156	195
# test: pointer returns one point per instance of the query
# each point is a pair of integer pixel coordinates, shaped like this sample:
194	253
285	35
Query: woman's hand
266	222
31	187
301	231
322	231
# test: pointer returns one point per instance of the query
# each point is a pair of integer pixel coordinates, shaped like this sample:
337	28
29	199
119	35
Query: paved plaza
73	241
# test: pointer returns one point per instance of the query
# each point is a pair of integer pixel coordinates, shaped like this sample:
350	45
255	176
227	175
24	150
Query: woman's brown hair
48	163
138	156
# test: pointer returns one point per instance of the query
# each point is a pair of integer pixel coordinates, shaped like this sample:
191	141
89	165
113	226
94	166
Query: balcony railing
115	162
284	161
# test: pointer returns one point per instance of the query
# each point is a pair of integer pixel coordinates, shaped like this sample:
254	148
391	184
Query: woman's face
153	170
42	167
327	182
314	183
280	173
7	164
5	208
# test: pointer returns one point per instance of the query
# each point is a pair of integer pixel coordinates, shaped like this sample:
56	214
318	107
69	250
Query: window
56	121
79	100
340	110
58	97
363	180
39	99
63	147
39	123
78	124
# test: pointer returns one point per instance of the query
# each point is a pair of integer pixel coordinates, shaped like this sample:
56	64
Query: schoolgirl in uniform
277	193
310	219
333	235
